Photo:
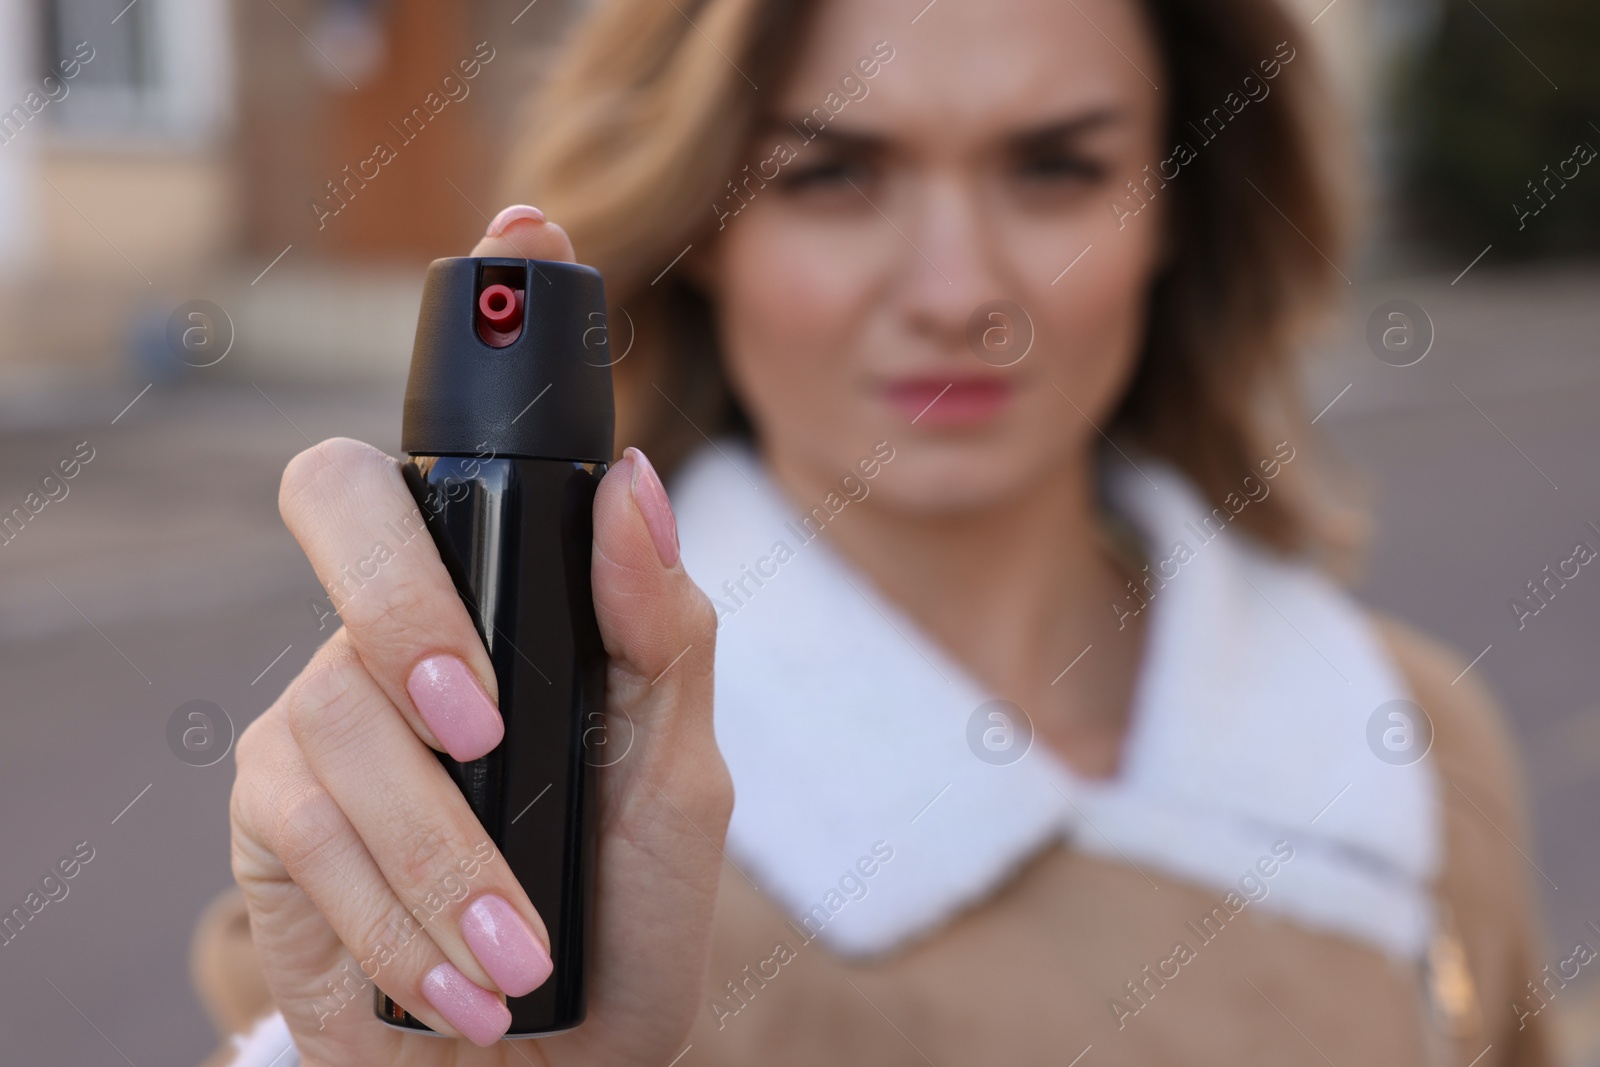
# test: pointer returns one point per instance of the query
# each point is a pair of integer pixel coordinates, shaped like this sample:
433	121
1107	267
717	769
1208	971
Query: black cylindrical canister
508	428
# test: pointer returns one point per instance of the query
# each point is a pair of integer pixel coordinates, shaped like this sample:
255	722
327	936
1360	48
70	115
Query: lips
948	401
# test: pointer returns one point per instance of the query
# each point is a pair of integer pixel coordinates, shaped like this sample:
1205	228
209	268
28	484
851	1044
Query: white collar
844	726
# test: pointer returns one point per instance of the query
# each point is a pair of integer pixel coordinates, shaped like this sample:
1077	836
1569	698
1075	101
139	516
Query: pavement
164	576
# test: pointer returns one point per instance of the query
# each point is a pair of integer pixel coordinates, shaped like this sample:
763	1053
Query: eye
1053	166
826	175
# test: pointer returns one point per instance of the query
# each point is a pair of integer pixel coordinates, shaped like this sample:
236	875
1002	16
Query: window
160	68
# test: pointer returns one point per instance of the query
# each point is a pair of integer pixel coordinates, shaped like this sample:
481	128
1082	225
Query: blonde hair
641	123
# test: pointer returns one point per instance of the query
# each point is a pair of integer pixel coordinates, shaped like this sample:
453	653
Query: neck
1013	591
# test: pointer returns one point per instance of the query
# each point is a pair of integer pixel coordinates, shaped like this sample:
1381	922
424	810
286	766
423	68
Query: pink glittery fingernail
476	1012
506	945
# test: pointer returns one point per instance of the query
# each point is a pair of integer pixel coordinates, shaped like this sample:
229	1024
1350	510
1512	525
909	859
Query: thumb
652	616
522	232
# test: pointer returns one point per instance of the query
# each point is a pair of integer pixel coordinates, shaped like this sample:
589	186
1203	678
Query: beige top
1029	976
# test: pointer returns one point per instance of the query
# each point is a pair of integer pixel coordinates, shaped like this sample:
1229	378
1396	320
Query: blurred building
188	153
172	149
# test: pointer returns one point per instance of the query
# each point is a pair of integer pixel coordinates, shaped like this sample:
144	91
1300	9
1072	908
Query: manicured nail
480	1015
455	707
514	213
506	945
651	497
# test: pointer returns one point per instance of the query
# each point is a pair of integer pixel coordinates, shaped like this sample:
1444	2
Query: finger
655	621
522	232
417	827
664	806
659	631
283	810
358	524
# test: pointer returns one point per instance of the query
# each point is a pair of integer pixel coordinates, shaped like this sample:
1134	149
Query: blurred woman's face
967	158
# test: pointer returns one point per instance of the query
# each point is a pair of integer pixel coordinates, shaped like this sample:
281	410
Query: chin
948	477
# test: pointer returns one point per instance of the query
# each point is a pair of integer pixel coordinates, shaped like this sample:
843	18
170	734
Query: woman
963	335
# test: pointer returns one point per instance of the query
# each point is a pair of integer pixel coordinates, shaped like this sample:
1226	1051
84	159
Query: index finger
348	506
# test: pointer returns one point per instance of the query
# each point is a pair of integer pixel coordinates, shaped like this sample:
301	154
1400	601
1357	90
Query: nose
950	266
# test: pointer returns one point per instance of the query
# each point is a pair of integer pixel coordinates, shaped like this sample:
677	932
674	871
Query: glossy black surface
516	535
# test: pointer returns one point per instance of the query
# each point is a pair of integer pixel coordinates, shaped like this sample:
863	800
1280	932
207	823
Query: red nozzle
499	315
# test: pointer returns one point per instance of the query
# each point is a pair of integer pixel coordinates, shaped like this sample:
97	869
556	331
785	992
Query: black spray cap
545	394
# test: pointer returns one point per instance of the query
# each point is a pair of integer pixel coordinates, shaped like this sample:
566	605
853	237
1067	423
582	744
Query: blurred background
196	282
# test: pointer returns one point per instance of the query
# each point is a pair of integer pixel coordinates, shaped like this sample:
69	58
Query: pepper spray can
508	430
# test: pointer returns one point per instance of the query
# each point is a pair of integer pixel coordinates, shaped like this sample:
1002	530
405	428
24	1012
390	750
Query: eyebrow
1045	133
1067	129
